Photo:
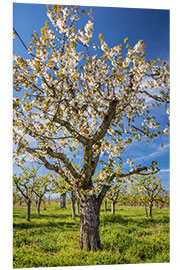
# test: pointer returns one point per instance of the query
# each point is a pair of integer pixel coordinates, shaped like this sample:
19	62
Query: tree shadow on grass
50	224
43	216
51	216
141	222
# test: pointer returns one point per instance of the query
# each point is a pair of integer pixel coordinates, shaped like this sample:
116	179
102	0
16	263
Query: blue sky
150	25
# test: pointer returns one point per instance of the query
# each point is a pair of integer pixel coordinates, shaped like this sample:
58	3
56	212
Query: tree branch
65	160
100	133
52	167
145	133
155	97
23	43
102	194
18	187
71	129
30	132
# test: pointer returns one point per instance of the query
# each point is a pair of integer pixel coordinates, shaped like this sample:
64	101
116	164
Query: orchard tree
17	197
135	194
59	185
116	193
72	195
41	188
134	197
26	183
76	98
163	198
149	188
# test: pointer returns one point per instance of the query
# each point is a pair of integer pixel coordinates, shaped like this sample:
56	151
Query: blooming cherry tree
149	189
43	185
116	192
80	99
25	183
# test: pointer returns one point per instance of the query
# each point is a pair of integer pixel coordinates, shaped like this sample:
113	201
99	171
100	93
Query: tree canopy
80	104
84	99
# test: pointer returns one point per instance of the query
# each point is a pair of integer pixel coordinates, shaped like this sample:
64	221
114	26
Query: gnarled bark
90	204
89	223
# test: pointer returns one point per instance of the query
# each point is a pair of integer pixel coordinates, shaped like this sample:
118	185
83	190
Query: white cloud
165	170
159	152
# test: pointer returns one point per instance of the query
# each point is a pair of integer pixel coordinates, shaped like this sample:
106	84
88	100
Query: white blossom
89	29
166	130
66	13
104	46
137	47
74	18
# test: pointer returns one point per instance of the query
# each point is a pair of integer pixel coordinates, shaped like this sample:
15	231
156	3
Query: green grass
51	238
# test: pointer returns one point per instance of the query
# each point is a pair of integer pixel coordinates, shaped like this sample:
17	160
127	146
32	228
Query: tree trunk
146	212
63	200
89	223
150	209
39	205
78	208
44	202
73	204
105	206
113	208
49	200
36	203
28	215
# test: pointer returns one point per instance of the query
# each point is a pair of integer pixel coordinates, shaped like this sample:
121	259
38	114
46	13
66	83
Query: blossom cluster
68	83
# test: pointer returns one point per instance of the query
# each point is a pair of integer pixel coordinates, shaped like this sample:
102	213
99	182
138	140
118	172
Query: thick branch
102	194
100	133
136	171
49	166
65	160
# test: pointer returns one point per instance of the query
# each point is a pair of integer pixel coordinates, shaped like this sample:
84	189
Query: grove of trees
147	190
74	98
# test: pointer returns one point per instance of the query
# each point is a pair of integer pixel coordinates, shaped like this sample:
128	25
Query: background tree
25	183
114	194
163	198
73	200
149	188
41	188
136	195
35	199
16	197
59	185
76	98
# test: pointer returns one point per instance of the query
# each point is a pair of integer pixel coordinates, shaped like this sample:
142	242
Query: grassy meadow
51	238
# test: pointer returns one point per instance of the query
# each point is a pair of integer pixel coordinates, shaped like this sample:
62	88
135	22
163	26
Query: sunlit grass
51	238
